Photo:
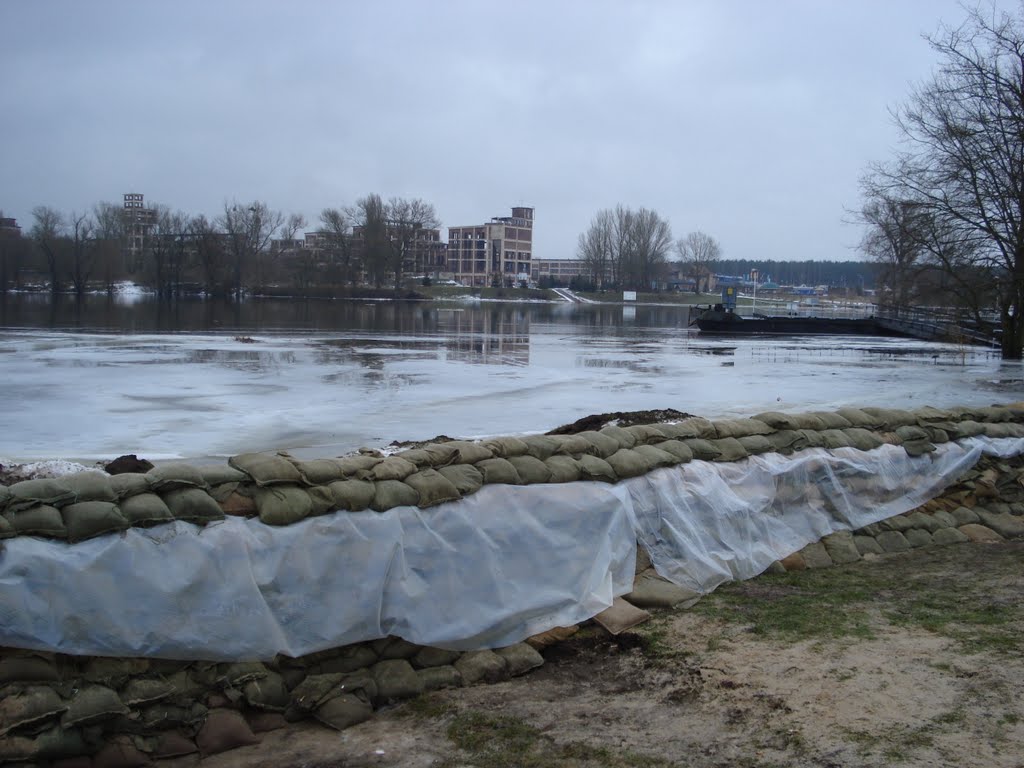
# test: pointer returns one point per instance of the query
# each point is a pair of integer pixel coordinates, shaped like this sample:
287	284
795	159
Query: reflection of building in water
498	337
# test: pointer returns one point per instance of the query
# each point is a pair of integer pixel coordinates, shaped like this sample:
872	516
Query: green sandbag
322	500
564	469
92	704
621	436
267	469
740	428
658	457
41	520
219	474
628	462
392	468
786	441
541	446
352	495
993	414
755	444
891	418
5	496
321	471
911	432
593	468
91	486
87	519
433	488
530	469
498	471
466	478
777	420
393	493
53	492
860	418
695	426
918	447
282	504
703	450
6	529
359	463
469	452
730	449
862	439
813	438
646	434
170	476
937	435
601	445
193	505
442	454
834	438
679	450
503	447
927	415
129	484
967	428
35	704
417	456
832	420
574	445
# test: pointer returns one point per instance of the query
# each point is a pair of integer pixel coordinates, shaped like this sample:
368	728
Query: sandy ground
911	681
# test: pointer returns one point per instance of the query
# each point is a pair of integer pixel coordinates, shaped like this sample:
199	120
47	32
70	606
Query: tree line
944	218
248	246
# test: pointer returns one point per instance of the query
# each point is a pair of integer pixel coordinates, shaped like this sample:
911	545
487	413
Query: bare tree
47	233
166	251
699	253
406	222
963	161
369	219
337	230
209	244
895	237
14	255
248	229
595	249
83	251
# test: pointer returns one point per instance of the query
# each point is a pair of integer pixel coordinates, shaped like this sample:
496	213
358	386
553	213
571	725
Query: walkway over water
937	325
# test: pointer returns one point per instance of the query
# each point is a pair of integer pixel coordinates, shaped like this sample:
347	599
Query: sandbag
466	478
656	456
344	711
729	449
834	438
442	454
503	447
679	450
776	420
321	471
268	694
703	450
224	729
498	470
6	529
87	519
564	469
92	704
860	418
540	446
740	428
755	444
911	432
129	484
891	418
53	492
645	434
392	468
813	438
574	445
359	463
167	477
139	691
433	488
624	438
393	493
832	420
219	474
694	426
41	520
628	462
593	468
468	451
282	505
601	445
193	505
91	486
352	495
416	456
530	470
786	441
993	414
35	704
862	439
267	469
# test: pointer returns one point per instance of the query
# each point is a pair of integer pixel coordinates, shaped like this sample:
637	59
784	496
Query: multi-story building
138	220
497	253
426	256
561	271
9	227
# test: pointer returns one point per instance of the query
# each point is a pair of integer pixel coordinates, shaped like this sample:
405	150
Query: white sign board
629	295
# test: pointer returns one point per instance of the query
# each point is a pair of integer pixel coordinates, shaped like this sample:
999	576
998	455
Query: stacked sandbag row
282	490
130	711
987	505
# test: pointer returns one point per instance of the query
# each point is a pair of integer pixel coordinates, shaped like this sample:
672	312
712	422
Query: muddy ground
913	659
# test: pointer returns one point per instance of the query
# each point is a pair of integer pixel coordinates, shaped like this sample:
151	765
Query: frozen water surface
325	386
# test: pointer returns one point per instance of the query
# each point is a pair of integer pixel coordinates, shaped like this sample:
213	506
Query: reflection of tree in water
496	336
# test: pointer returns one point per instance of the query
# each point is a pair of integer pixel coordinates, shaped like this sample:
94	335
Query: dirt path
912	659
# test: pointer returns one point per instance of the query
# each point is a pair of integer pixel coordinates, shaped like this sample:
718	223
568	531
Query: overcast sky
748	119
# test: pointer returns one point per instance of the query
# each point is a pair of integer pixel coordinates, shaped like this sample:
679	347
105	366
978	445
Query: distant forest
835	274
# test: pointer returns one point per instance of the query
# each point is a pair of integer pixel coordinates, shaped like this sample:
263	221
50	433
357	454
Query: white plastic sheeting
487	571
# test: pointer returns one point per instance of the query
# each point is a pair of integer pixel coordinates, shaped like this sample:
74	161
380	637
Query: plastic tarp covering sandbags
484	572
706	523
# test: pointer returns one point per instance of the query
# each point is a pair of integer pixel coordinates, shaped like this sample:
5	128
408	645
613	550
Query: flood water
203	378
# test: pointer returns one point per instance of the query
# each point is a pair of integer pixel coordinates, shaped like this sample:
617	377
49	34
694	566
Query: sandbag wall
131	710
